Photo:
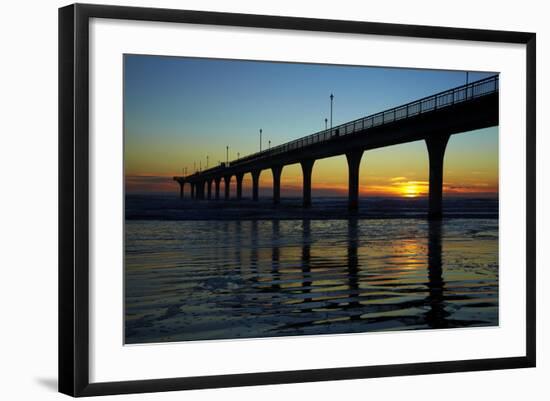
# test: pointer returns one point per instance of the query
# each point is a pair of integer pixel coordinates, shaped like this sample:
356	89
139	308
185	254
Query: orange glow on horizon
398	187
400	171
410	189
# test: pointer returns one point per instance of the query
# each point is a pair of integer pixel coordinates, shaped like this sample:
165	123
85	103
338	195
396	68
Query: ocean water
268	272
170	207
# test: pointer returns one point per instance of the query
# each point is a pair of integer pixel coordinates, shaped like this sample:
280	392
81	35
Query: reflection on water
436	315
198	280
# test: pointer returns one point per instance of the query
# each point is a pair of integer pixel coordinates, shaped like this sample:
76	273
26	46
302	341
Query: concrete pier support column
227	180
255	184
193	187
209	189
181	189
200	190
354	161
239	178
217	186
307	167
436	145
276	171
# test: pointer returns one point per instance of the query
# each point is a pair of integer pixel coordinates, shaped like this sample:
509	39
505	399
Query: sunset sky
178	111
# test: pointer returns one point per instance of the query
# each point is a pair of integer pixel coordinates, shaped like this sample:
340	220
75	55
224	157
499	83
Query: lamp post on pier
331	100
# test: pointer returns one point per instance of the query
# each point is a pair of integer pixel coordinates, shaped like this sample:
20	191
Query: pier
432	119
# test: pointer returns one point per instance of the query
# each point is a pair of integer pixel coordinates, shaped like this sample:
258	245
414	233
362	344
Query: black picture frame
74	198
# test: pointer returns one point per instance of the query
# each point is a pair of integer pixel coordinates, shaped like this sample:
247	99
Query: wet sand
204	279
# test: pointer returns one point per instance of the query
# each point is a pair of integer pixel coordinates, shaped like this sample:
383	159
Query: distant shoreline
170	208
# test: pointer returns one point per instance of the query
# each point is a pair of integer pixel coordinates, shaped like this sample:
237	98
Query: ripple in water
202	280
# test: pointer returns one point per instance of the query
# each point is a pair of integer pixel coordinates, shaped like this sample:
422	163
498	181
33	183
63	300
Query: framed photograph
251	199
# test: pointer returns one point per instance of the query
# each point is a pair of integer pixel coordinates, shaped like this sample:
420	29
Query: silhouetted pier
432	119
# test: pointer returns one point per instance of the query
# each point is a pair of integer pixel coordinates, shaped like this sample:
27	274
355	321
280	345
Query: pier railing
425	105
428	104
